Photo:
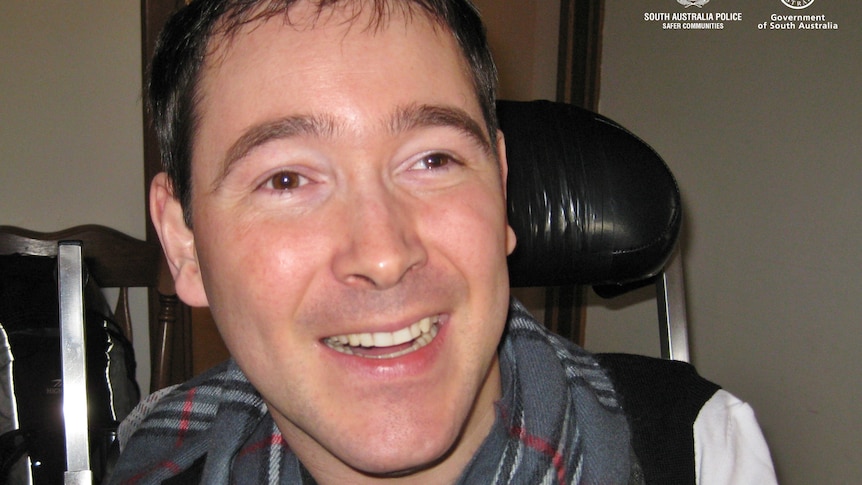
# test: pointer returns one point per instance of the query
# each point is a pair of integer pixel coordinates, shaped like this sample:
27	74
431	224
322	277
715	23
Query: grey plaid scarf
559	422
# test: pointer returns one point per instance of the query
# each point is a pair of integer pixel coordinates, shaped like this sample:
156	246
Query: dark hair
183	45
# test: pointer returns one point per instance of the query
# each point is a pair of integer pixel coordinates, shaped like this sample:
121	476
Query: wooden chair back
115	260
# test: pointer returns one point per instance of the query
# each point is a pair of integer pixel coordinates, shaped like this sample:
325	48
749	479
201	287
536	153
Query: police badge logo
797	4
695	3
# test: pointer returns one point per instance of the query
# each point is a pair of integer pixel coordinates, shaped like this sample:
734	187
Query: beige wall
762	131
70	120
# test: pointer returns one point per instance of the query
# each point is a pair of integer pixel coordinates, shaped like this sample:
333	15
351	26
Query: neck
446	470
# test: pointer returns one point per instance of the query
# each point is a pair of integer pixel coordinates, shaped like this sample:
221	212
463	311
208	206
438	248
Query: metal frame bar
71	293
673	321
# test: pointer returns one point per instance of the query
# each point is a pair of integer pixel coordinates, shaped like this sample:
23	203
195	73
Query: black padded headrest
590	203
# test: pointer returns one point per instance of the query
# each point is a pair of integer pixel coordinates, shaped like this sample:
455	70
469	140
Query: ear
511	239
178	241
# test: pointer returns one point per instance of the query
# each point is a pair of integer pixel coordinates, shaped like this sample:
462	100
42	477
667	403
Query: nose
381	242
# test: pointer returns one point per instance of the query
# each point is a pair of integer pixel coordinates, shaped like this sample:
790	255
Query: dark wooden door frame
578	81
579	52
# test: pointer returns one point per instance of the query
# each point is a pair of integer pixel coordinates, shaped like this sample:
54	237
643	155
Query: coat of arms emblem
796	4
692	3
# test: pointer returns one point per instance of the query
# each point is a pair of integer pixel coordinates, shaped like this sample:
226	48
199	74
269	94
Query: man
335	193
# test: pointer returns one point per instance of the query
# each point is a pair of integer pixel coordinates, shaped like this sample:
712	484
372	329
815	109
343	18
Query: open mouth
387	345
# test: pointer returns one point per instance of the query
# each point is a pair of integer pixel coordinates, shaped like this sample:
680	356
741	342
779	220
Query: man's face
351	236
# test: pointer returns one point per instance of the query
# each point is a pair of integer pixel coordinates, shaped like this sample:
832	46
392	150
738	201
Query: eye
433	161
285	181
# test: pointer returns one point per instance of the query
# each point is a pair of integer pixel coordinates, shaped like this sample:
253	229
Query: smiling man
349	234
334	192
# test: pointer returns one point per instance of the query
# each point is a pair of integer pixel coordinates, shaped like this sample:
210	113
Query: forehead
340	63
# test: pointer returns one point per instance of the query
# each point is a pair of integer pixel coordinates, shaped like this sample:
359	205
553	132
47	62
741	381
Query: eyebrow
404	119
420	116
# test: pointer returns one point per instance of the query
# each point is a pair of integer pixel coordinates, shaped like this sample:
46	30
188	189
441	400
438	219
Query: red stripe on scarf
185	418
274	439
543	447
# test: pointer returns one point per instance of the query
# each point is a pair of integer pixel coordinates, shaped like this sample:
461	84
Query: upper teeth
422	331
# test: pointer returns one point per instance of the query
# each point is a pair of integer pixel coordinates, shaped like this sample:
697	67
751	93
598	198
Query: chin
390	468
394	460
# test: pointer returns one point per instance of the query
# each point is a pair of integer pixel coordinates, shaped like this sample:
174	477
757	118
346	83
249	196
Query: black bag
31	375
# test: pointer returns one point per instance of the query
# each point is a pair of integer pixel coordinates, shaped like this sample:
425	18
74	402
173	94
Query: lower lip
410	364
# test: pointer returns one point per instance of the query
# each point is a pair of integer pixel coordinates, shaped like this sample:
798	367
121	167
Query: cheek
475	230
257	275
471	238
